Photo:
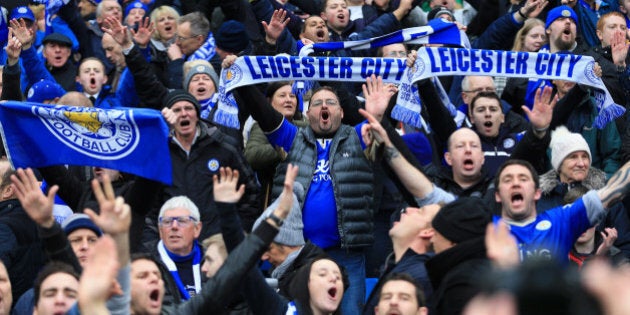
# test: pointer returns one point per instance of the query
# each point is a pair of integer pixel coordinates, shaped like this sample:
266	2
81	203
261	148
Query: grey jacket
352	177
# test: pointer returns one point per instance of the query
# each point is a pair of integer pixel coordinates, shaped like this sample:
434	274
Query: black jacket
21	248
192	177
455	274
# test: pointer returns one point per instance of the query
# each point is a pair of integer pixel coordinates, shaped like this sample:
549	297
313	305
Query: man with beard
561	29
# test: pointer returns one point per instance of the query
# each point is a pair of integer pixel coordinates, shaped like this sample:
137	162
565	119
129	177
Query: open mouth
168	28
517	198
184	123
341	16
325	116
320	33
332	292
155	295
468	162
487	124
201	90
566	31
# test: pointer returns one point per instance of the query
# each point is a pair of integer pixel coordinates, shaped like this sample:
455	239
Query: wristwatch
275	219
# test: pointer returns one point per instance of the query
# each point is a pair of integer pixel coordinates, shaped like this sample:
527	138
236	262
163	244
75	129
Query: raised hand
142	36
119	32
609	235
115	215
619	49
541	113
14	48
24	34
174	52
37	205
376	96
224	187
276	25
411	58
95	286
533	8
286	197
228	61
501	247
373	131
611	286
169	116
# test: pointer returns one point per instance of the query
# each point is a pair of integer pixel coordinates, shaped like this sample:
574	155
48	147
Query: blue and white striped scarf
243	72
206	51
441	61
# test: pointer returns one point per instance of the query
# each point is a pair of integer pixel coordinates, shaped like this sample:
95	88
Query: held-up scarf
439	61
436	32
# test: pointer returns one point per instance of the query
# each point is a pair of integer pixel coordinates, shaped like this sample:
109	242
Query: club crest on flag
107	135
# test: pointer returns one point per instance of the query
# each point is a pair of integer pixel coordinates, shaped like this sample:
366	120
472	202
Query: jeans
354	263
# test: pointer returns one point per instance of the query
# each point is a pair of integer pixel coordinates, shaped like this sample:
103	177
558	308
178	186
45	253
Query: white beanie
563	143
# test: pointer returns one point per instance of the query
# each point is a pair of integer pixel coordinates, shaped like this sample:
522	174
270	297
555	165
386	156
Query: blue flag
129	140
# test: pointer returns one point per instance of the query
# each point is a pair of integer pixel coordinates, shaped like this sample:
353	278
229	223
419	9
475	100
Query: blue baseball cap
560	12
44	90
22	12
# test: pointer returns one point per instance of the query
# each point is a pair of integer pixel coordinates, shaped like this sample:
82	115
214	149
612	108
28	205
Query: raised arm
412	178
255	102
149	88
226	195
115	220
235	270
97	278
39	208
12	71
617	186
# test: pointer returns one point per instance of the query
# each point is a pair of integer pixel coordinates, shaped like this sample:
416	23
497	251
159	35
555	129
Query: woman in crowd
260	154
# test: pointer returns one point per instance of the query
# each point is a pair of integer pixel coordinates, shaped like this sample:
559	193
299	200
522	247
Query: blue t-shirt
552	234
319	212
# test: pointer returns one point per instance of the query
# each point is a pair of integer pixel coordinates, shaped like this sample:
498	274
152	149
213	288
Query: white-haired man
179	228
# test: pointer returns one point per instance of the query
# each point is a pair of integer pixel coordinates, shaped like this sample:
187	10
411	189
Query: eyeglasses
478	90
182	38
183	221
329	102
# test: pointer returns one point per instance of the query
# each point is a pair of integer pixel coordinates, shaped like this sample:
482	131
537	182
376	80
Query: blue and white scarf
248	70
439	61
208	105
169	260
437	31
206	51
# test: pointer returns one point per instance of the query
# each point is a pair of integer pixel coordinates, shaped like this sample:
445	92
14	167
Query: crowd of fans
514	203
